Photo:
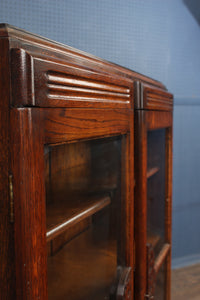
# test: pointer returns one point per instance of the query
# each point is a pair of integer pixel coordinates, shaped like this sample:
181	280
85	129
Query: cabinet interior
156	189
83	206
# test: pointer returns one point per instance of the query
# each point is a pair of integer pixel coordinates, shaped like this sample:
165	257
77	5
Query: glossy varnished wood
128	206
152	98
62	217
51	94
29	203
59	130
157	120
168	221
7	265
74	124
44	83
140	210
153	111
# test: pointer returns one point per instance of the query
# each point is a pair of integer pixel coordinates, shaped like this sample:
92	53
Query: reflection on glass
83	218
160	284
156	189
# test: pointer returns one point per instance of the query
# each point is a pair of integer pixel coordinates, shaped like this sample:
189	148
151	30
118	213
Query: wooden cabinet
153	192
67	171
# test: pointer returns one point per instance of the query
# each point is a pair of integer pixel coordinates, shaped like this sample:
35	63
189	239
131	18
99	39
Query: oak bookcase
69	125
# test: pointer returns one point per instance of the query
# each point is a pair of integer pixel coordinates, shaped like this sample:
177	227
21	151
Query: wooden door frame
31	129
144	121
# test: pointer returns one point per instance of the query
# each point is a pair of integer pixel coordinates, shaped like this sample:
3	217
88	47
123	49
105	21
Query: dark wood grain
63	125
61	217
157	120
140	224
7	259
128	206
65	85
22	69
152	98
29	198
44	83
151	120
168	220
52	94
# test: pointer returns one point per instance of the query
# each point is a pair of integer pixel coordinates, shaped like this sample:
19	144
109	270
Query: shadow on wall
194	8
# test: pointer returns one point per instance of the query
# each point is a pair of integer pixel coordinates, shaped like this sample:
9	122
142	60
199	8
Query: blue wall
158	38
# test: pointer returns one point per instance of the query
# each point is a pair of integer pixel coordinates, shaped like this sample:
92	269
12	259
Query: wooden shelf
161	257
63	215
152	172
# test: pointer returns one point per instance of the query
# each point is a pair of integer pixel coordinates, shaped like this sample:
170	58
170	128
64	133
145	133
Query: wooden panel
127	207
157	99
44	83
29	204
22	78
7	265
140	204
62	125
157	120
68	157
168	220
152	98
144	121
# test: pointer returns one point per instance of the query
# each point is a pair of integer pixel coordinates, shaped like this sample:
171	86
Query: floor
186	283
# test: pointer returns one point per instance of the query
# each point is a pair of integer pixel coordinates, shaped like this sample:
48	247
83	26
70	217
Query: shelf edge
74	219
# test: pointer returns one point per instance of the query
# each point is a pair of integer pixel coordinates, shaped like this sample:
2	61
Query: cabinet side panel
7	278
29	204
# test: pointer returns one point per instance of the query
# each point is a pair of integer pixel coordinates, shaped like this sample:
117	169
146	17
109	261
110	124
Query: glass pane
156	189
160	284
83	204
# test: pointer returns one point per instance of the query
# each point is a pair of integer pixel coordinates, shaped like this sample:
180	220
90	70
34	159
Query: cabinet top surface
10	31
113	83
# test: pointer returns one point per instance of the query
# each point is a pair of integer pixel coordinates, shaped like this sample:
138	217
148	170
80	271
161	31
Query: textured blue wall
158	38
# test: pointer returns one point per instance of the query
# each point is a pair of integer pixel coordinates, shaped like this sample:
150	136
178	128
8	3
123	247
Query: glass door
157	211
84	204
156	189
